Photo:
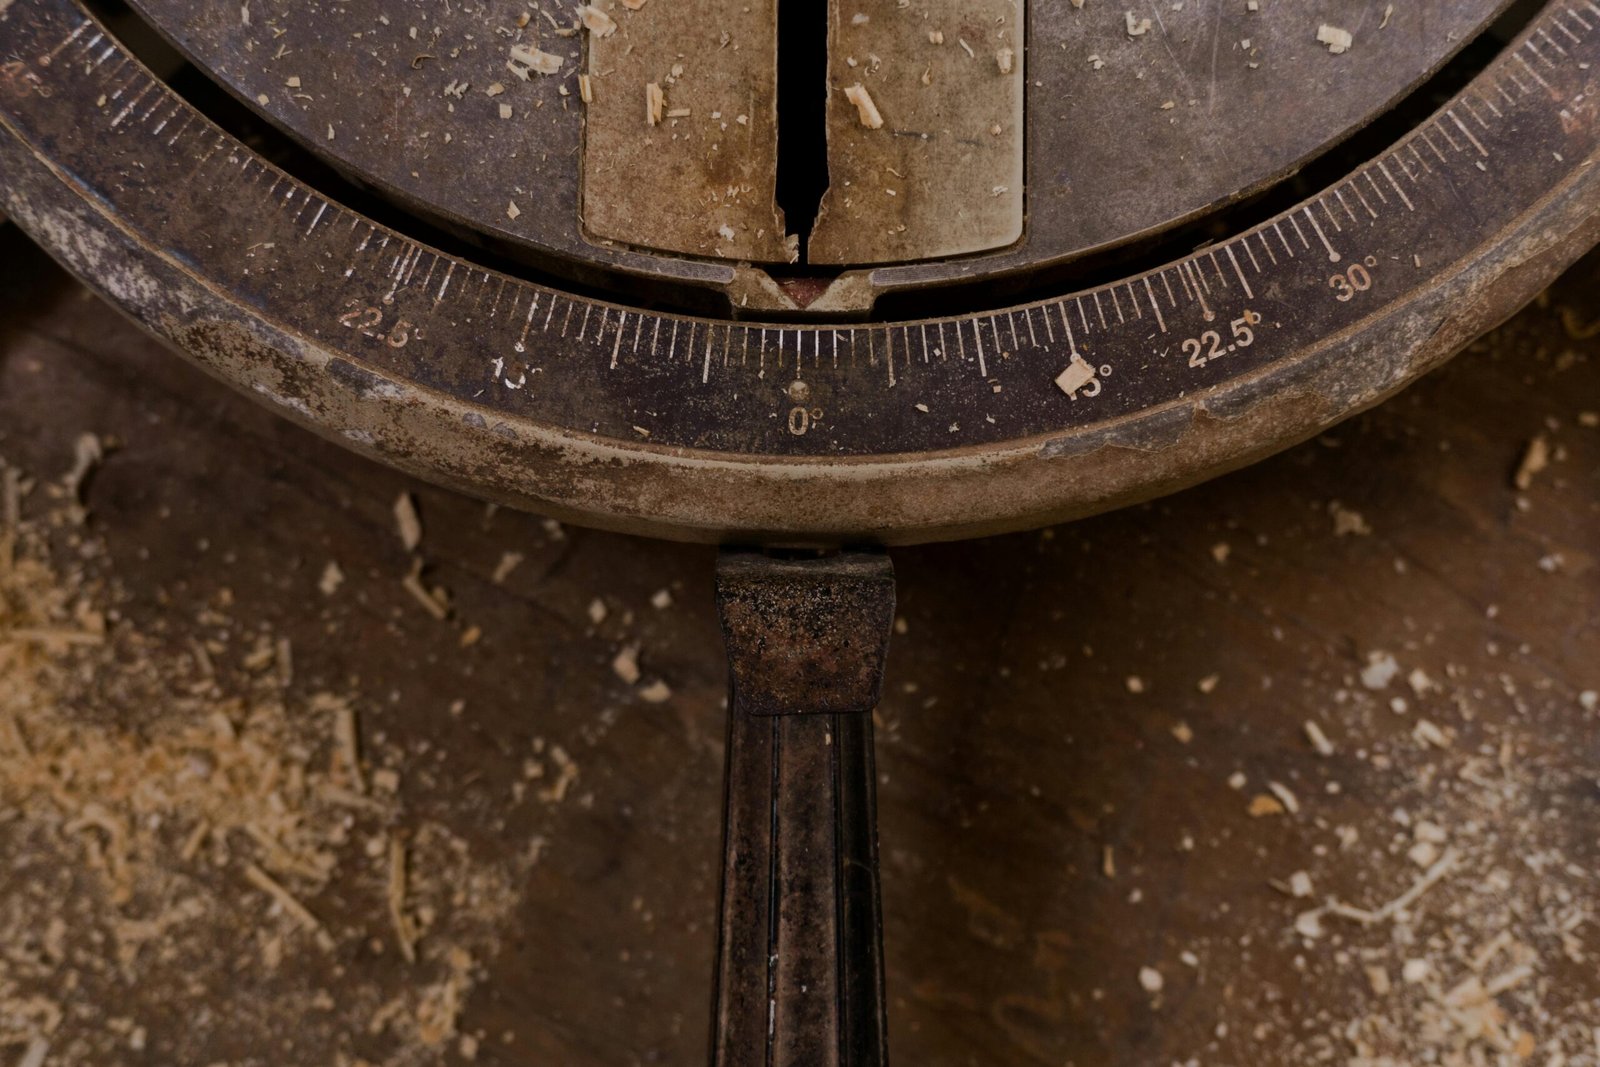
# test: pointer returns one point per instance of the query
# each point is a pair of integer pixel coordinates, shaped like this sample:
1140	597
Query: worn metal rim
708	495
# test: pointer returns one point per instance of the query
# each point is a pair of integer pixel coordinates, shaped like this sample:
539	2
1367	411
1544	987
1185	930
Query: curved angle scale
710	429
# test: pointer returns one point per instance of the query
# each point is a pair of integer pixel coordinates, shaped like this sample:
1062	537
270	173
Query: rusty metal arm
799	962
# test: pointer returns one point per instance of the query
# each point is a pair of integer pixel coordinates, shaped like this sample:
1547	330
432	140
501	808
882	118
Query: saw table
807	277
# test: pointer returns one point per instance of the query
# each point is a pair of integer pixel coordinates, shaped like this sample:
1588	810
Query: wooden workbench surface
1109	834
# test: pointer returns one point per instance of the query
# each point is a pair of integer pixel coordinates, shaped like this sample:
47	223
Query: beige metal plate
942	174
693	170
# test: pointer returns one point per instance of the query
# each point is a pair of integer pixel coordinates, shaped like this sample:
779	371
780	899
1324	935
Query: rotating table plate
1234	227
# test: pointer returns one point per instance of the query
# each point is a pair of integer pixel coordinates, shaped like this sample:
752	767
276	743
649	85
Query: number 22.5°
1209	345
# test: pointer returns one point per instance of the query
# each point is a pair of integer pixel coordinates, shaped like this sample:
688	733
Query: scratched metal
709	429
943	175
699	178
1127	133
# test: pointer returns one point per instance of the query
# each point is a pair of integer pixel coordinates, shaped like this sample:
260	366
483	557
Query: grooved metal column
799	964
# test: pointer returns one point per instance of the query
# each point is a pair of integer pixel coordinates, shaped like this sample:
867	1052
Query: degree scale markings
518	349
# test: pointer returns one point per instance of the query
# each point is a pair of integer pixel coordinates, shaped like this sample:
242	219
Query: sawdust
173	820
1475	957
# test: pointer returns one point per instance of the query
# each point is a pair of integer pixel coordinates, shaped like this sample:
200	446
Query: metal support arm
799	962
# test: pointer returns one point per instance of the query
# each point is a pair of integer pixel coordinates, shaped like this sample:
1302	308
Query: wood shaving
153	789
405	930
1432	877
1285	797
566	775
347	744
10	514
35	1054
525	60
286	900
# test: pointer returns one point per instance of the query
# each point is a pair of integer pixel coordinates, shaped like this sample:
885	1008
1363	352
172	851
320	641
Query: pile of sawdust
170	817
1468	922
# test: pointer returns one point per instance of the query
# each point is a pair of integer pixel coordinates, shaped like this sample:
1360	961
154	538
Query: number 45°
1209	345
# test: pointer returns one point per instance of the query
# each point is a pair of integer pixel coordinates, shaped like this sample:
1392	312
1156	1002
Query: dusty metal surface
806	636
929	164
799	947
680	131
713	429
1140	115
1128	132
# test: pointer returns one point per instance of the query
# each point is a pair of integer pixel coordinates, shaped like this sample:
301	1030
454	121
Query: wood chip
1429	734
566	774
866	110
195	841
1318	739
596	21
1534	460
655	102
431	603
87	455
1261	804
332	578
1337	40
407	521
626	664
509	561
